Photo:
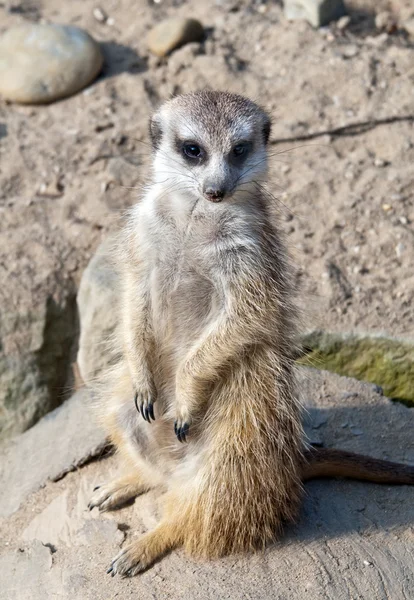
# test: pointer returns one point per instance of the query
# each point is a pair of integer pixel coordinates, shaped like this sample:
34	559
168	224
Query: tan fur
209	341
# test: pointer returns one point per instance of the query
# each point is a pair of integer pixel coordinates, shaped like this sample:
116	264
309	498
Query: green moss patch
385	361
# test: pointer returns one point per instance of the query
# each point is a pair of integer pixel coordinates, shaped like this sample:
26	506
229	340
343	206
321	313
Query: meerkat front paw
182	424
144	402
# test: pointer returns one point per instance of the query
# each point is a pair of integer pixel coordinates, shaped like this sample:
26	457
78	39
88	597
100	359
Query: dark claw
181	432
90	506
141	411
147	418
144	413
151	411
136	401
96	488
110	570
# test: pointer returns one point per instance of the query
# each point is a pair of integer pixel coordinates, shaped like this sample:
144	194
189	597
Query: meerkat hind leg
141	554
118	492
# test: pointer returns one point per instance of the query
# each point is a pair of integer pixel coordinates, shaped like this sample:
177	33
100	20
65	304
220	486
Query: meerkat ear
155	131
267	126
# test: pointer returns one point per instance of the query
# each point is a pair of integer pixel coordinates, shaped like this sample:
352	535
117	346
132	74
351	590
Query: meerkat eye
192	150
241	149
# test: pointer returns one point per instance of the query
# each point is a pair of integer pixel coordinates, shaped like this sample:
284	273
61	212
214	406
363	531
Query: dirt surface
353	540
68	170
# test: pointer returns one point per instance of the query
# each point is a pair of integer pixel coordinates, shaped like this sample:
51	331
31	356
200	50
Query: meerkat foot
138	556
115	494
144	403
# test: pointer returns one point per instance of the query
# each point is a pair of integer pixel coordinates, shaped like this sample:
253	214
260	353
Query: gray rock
98	306
409	27
61	441
317	12
59	524
31	563
41	63
37	329
173	33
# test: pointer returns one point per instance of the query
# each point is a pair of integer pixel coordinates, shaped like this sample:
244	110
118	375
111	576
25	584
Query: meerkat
204	403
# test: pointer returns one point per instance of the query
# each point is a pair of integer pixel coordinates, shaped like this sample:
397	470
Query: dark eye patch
240	151
191	151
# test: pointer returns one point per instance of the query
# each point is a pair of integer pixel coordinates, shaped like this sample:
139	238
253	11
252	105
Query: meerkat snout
210	146
214	194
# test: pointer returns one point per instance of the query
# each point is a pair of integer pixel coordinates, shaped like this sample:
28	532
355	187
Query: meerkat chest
184	296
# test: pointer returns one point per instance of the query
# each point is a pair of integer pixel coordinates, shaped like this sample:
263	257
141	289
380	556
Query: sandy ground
346	201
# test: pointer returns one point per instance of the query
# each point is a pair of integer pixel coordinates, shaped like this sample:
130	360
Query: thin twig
346	130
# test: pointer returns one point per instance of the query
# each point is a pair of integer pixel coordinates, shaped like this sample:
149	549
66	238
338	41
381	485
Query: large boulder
63	440
38	327
98	306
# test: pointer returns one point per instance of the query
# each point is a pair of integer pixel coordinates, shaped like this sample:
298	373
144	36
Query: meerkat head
210	145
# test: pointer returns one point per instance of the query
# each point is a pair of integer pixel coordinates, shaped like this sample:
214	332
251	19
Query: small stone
384	21
379	162
356	430
350	51
403	220
99	14
53	190
348	395
174	33
316	12
409	27
386	207
42	63
343	22
399	249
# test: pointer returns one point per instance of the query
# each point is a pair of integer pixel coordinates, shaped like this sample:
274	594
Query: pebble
384	21
350	51
173	33
399	249
317	12
409	27
343	22
42	63
356	431
348	395
99	14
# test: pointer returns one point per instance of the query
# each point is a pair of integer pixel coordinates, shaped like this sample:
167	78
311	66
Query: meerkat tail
326	462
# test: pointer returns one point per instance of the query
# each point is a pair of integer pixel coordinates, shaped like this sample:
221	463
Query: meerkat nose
214	194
